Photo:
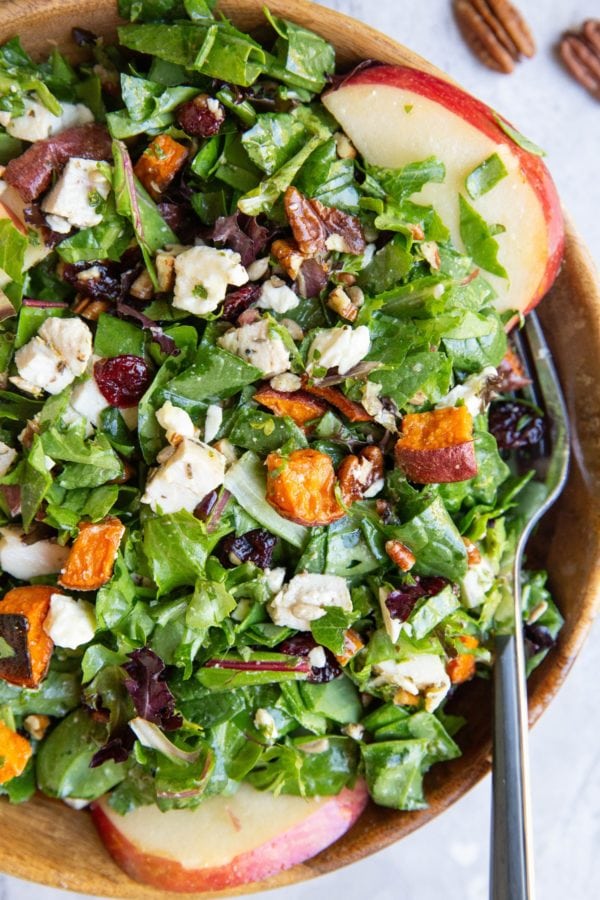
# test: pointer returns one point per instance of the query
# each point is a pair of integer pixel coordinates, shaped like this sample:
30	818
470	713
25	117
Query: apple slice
227	841
396	115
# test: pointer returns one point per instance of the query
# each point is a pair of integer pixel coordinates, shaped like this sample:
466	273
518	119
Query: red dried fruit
255	546
301	645
201	117
122	380
515	425
238	301
401	601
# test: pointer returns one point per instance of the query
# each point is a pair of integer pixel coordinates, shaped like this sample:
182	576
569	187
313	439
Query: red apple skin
307	838
482	117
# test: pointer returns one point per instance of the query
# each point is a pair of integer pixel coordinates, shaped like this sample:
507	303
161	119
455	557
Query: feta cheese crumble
339	348
423	673
213	421
471	393
305	599
176	422
27	561
276	295
255	344
70	623
73	201
202	275
55	356
36	123
192	471
88	401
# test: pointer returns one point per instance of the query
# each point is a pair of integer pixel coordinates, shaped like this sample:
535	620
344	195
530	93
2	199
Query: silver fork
511	869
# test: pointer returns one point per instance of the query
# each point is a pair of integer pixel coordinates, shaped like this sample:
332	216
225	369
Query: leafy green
215	373
13	245
274	139
478	341
262	432
262	198
485	176
176	546
211	603
434	539
302	54
519	139
63	762
115	337
478	238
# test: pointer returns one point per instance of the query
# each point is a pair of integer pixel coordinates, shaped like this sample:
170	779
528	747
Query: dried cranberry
239	301
301	645
122	380
200	117
537	637
401	601
255	546
515	425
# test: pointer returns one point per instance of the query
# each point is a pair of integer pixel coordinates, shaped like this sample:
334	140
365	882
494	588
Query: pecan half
580	53
318	228
357	474
401	555
495	31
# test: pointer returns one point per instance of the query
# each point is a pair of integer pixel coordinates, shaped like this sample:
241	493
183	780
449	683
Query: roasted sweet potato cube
159	164
437	446
462	667
301	487
15	751
22	614
92	557
353	411
352	644
298	405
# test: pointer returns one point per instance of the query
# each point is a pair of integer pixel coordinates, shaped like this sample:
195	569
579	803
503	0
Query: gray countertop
449	858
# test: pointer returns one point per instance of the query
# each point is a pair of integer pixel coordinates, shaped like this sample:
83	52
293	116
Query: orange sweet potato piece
437	446
92	557
159	164
353	411
298	405
22	614
301	487
15	751
462	667
352	644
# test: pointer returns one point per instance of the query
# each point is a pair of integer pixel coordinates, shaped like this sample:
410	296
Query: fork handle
511	876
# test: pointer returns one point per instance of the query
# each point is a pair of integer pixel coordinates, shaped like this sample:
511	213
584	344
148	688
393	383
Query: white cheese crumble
264	721
176	422
339	348
202	275
213	421
7	457
305	599
192	471
70	623
276	295
275	578
256	345
470	392
27	561
73	201
55	356
36	123
317	657
477	582
88	401
423	673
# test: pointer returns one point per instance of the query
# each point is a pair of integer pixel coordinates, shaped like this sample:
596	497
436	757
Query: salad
262	466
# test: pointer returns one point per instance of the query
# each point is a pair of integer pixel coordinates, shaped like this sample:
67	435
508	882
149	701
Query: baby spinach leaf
58	694
215	373
63	761
389	266
304	58
478	238
263	197
479	341
519	139
177	546
328	178
116	336
35	481
434	539
262	432
400	184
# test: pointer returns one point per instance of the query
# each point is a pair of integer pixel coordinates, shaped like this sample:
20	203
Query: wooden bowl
44	841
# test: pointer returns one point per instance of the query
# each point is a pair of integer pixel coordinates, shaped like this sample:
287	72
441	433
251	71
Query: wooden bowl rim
24	17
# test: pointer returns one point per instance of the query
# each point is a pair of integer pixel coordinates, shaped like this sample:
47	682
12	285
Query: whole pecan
495	31
318	228
580	53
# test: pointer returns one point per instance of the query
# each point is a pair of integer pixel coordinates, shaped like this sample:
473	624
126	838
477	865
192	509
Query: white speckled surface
449	858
